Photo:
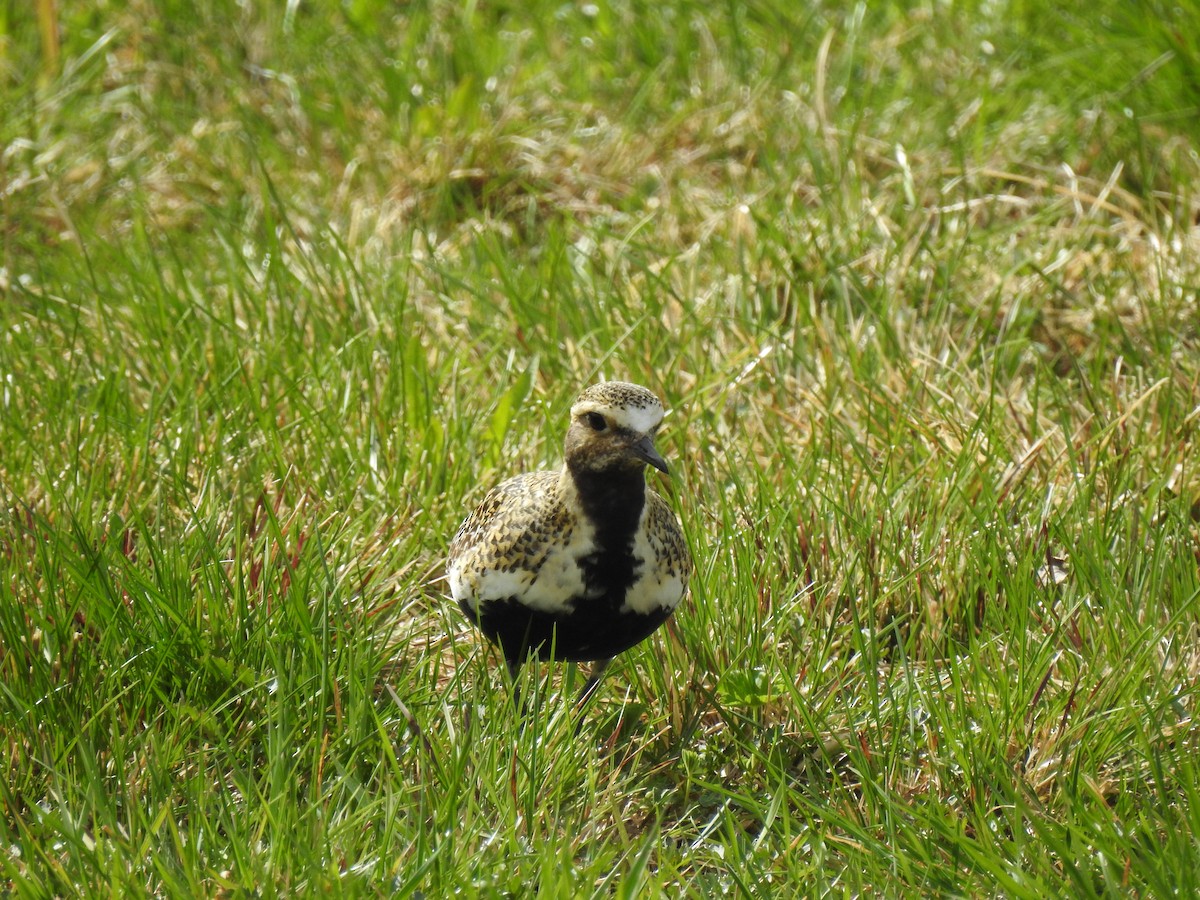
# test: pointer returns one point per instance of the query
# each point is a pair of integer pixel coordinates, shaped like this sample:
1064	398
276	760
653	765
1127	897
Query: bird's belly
595	629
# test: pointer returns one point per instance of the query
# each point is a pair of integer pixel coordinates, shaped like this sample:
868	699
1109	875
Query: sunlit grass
283	290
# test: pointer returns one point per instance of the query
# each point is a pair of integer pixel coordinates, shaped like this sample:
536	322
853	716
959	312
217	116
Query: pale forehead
629	405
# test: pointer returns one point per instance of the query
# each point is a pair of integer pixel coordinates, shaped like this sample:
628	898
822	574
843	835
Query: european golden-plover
583	563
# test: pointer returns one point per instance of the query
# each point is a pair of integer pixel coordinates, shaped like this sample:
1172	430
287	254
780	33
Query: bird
582	563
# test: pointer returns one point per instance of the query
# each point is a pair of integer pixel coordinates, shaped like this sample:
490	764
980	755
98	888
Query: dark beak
644	450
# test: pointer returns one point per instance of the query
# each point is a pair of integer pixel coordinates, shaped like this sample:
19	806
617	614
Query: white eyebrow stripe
643	419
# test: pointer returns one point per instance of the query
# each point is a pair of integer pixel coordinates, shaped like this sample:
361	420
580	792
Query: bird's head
612	429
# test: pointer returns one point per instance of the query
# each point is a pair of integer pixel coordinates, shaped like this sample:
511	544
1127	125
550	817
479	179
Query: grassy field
284	287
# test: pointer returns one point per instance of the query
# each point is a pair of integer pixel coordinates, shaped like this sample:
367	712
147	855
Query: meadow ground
285	286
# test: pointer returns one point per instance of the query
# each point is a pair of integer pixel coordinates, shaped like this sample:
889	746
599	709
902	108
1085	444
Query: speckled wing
520	543
667	539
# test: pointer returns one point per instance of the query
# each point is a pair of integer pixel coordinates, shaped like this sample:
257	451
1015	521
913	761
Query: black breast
614	505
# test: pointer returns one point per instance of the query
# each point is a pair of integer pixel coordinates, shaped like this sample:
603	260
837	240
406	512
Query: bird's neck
612	501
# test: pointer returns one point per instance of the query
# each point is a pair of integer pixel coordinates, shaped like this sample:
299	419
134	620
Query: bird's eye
596	421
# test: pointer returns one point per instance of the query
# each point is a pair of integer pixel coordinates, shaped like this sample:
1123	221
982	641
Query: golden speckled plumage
513	529
583	563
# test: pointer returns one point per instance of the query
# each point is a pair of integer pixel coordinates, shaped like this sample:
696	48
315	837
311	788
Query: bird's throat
612	501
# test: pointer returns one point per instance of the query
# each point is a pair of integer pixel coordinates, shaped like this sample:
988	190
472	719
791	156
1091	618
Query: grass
285	287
